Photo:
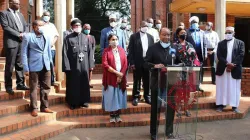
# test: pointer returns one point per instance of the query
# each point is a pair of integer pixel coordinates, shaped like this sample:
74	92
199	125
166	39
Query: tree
48	5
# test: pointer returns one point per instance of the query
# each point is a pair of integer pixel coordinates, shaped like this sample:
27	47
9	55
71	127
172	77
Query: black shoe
22	87
10	91
135	102
85	105
170	136
153	137
148	101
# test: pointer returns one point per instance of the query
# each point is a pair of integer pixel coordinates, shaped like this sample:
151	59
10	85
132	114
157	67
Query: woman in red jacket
114	62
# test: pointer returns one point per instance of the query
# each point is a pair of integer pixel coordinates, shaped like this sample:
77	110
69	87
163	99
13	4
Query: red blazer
108	60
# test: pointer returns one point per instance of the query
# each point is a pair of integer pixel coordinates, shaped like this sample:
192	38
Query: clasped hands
163	68
119	77
230	66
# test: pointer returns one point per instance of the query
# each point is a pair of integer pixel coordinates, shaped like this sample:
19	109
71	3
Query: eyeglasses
229	33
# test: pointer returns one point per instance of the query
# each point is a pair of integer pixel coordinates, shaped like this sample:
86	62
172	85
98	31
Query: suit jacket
202	38
237	58
35	56
11	33
136	50
104	43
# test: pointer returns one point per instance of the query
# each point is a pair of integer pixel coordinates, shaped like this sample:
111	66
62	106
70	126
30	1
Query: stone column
60	23
39	9
220	18
70	11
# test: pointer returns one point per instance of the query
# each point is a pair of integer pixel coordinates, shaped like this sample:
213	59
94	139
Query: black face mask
183	37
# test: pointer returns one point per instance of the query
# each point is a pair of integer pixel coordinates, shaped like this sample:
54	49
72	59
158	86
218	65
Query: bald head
144	24
46	13
158	21
14	4
165	35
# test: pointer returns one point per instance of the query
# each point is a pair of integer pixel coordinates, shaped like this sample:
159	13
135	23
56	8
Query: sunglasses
229	33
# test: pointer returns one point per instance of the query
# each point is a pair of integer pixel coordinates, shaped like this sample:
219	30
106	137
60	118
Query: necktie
18	22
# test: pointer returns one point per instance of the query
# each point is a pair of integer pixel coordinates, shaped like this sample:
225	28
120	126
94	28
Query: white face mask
78	29
208	27
144	29
150	25
229	36
124	25
158	26
113	24
113	43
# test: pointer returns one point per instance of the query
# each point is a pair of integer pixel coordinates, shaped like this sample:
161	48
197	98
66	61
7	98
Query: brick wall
146	6
24	7
245	82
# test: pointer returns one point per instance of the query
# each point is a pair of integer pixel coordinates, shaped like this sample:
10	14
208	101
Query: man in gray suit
36	59
14	26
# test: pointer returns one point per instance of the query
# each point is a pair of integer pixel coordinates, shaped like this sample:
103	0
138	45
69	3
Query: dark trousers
44	79
202	70
212	64
13	59
155	112
53	53
138	74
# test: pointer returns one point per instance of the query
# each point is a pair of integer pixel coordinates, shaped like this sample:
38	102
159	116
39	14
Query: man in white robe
230	54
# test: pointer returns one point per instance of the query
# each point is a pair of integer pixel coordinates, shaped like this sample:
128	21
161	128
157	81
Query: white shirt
230	45
51	31
117	59
144	41
211	40
154	33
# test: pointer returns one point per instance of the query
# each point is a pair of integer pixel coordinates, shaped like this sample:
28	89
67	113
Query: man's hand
26	73
132	67
230	66
21	36
158	66
210	52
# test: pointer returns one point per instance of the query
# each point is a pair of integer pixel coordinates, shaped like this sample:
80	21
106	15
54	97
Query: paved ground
217	130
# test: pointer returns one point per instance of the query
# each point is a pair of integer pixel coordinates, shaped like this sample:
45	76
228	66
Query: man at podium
161	54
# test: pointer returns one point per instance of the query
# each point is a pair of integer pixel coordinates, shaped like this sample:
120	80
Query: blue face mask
165	45
195	26
86	31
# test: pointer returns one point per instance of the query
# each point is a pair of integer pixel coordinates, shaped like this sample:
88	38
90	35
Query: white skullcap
112	16
230	28
73	19
194	18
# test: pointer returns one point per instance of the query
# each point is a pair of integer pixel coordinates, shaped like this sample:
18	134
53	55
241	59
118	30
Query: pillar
60	23
220	18
39	9
70	11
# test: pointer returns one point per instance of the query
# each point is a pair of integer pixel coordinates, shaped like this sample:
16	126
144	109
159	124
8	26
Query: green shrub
98	55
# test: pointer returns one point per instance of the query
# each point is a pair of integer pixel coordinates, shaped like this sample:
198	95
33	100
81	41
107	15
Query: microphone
191	52
172	52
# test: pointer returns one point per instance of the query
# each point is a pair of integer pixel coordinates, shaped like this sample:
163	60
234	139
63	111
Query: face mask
86	31
46	18
195	26
113	24
41	30
124	25
165	45
150	25
114	43
183	37
229	36
158	26
144	29
77	30
208	27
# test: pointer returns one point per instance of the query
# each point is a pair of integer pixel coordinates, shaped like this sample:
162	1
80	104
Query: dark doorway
242	32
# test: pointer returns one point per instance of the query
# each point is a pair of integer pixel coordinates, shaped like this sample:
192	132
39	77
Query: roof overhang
233	7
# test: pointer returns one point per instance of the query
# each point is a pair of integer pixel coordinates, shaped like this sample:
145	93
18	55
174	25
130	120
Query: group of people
148	49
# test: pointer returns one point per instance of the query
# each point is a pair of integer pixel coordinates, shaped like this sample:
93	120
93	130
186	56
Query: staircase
16	122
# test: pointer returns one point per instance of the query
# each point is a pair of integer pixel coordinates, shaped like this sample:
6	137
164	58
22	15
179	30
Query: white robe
228	88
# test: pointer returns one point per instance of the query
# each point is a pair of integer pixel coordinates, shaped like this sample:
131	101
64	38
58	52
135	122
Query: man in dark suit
159	56
138	46
230	53
14	26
